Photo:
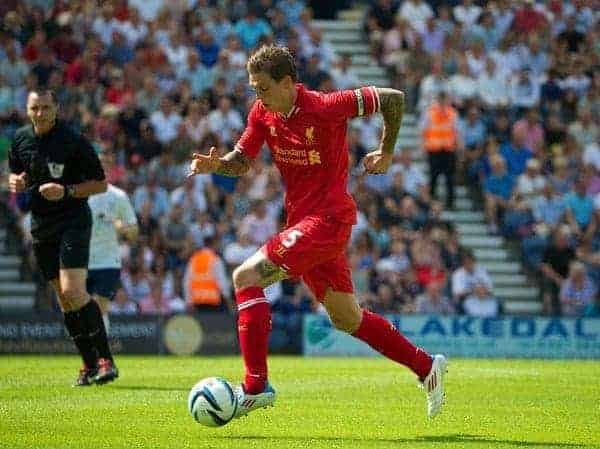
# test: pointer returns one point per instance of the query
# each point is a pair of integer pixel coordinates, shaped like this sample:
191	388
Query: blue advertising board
463	336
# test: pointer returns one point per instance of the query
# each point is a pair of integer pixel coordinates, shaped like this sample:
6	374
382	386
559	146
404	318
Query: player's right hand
203	164
17	182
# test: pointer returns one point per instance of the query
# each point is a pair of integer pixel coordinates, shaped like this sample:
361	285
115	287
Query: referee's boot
107	371
86	376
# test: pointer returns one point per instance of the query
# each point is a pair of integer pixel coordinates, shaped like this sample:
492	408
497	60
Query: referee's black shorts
63	244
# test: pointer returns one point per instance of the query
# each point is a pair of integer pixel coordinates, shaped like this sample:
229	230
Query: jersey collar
295	107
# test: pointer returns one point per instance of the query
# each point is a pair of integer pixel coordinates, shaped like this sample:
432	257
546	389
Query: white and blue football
212	402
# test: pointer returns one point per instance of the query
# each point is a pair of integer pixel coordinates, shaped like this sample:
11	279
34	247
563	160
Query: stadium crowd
151	81
520	83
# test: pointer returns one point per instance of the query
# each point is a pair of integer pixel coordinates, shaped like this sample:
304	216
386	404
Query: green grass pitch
322	403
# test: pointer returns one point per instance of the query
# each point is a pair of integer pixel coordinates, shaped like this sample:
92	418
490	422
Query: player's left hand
377	162
52	191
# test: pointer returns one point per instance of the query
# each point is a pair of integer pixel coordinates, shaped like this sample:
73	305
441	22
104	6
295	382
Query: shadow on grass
451	438
146	388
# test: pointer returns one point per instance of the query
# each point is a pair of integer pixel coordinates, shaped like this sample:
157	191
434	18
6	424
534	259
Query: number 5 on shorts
291	238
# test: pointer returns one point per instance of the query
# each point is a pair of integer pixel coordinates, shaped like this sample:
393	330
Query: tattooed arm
392	108
234	163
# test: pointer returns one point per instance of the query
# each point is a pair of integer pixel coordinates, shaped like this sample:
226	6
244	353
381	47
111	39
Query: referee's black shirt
61	156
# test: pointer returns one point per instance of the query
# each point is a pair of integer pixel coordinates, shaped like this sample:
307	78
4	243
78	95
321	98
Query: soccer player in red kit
306	134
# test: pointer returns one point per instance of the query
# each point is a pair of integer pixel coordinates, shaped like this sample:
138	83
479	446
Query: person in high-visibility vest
441	139
205	282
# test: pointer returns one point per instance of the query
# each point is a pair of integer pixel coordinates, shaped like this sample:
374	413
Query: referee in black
60	169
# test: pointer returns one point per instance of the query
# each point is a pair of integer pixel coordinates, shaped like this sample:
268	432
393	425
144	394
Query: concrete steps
16	288
9	274
9	261
500	267
482	242
14	294
14	302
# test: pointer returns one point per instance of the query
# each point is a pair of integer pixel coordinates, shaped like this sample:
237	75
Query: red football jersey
309	147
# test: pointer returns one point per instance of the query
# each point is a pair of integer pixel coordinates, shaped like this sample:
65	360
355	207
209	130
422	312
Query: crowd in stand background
523	79
151	81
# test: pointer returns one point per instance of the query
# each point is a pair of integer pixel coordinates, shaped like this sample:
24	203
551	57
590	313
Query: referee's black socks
78	330
91	315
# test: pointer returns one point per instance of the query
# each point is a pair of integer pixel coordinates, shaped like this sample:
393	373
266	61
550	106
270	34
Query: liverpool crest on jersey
310	135
56	170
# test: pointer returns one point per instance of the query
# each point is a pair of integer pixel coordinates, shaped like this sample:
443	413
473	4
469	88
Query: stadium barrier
210	333
461	336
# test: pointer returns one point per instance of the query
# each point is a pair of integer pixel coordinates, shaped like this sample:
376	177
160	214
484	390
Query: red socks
254	326
382	336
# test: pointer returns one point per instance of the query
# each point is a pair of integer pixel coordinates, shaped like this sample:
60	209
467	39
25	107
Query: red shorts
315	250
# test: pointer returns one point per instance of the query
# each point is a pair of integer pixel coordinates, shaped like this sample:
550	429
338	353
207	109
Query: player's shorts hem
104	282
320	292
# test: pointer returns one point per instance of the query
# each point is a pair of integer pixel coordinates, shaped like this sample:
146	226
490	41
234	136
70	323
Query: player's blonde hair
277	62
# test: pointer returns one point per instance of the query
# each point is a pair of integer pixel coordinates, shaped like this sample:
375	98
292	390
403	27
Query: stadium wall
210	333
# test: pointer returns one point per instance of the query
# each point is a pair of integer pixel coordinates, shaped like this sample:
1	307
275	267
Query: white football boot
433	385
249	402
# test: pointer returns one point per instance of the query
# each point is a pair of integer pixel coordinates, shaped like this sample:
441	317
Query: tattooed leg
257	271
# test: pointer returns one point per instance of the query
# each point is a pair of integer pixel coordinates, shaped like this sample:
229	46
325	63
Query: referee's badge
56	170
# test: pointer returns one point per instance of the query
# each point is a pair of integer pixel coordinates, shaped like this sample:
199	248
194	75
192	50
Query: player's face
41	110
276	96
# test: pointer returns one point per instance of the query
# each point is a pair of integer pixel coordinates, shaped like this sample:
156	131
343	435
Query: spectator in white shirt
531	183
134	29
370	129
239	250
524	90
476	58
416	12
225	121
591	155
585	130
237	55
322	48
165	121
481	303
176	49
432	85
415	181
503	15
491	87
343	75
258	224
202	228
149	9
186	197
462	85
468	276
467	13
12	68
105	24
196	121
433	300
122	305
507	62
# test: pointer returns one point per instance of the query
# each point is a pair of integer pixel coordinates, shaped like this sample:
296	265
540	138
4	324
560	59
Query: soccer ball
212	402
